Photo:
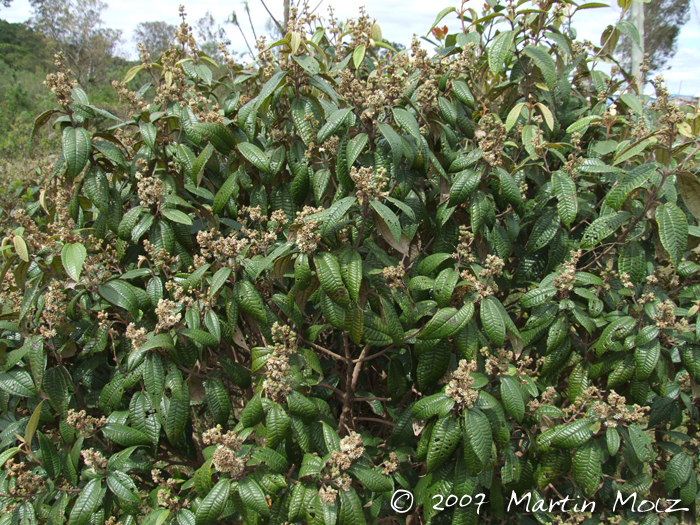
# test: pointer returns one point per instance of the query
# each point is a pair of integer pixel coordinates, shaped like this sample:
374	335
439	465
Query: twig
325	350
376	420
279	26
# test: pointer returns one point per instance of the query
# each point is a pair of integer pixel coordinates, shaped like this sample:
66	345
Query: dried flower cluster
459	387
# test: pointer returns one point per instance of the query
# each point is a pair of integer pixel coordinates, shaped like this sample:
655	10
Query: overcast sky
399	20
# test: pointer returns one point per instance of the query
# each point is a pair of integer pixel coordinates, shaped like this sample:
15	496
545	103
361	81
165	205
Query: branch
329	352
279	26
376	420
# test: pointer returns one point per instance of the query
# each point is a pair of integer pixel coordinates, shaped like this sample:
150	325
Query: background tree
663	20
76	27
155	36
210	35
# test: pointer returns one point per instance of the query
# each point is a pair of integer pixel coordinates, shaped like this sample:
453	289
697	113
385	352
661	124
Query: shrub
280	295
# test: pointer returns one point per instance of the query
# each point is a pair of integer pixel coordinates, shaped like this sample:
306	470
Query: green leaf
601	228
350	262
250	301
87	503
336	213
123	487
463	185
633	103
567	199
627	183
218	400
513	115
395	141
580	126
218	280
176	419
512	397
437	404
390	218
646	356
462	92
499	50
477	440
543	231
200	336
18	383
689	188
33	423
255	156
148	134
49	457
21	248
177	216
253	496
213	504
679	469
218	136
328	272
350	509
253	412
76	149
446	322
443	442
433	362
673	230
119	294
431	263
640	443
587	468
334	123
355	147
224	194
371	479
544	62
407	122
612	440
124	435
358	56
572	435
629	29
492	321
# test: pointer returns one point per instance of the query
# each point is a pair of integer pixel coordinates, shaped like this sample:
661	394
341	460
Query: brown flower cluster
94	460
616	410
459	387
491	138
368	185
278	384
83	423
25	482
307	236
464	253
351	449
167	318
394	276
483	285
564	281
60	83
225	458
214	246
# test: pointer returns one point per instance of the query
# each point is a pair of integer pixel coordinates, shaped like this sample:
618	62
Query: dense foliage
280	295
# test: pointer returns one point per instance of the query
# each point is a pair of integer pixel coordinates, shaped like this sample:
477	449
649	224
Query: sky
399	20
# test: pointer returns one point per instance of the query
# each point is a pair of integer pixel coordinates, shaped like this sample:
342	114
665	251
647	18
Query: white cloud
399	20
